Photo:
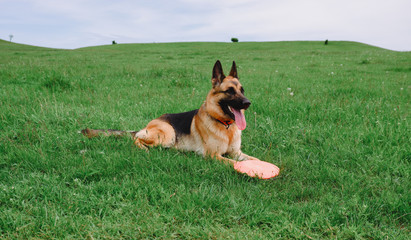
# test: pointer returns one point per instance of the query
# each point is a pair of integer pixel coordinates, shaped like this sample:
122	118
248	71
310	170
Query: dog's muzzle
246	103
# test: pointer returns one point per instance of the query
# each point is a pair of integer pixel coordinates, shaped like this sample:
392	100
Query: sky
71	24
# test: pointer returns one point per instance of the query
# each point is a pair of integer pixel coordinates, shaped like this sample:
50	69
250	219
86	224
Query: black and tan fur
210	130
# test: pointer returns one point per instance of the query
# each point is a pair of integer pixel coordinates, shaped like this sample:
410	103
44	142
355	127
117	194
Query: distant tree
11	37
326	42
114	42
234	39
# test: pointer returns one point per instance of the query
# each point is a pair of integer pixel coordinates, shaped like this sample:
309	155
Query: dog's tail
90	133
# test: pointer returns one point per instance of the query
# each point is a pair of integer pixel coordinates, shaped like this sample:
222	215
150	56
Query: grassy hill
334	118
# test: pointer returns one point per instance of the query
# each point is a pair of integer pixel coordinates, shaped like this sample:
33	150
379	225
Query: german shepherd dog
213	130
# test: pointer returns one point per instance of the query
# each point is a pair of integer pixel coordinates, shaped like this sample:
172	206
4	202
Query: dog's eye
242	90
230	91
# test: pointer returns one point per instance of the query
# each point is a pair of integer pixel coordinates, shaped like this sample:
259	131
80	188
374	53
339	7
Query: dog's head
229	94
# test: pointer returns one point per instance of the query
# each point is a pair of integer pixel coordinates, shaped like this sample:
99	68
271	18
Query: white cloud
79	23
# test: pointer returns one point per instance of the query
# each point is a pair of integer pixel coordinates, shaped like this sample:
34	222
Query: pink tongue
239	119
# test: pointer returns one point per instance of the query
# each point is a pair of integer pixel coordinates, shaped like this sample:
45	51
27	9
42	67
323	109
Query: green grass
342	142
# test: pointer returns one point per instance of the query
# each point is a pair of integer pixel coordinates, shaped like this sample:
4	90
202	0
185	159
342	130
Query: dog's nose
246	103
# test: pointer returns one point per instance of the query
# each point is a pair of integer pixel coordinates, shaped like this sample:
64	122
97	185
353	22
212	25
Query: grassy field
334	118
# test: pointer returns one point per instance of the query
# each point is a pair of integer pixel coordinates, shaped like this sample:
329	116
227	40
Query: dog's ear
233	72
218	75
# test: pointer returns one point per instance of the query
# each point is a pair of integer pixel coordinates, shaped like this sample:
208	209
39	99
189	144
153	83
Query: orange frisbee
257	168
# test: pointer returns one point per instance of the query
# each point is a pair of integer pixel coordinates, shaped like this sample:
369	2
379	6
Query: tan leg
224	159
244	157
156	133
139	143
